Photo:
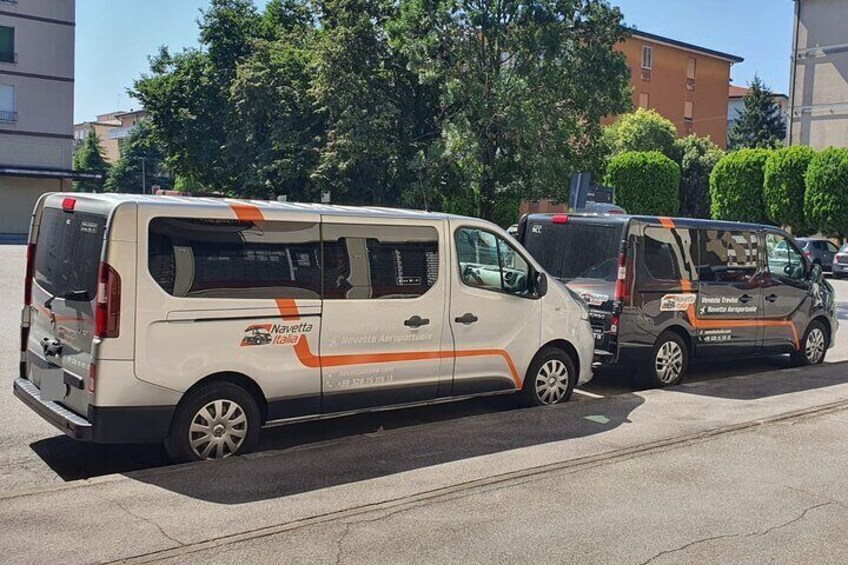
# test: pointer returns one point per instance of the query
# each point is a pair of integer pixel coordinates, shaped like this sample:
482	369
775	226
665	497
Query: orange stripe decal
247	212
667	223
288	310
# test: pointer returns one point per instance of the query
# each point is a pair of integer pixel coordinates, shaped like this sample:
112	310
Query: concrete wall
18	196
820	89
666	86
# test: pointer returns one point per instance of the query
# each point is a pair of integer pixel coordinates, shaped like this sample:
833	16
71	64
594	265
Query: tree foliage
89	158
760	124
826	200
698	157
784	186
642	130
645	182
142	163
736	186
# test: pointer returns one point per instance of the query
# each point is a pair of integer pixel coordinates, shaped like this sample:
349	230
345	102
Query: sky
115	37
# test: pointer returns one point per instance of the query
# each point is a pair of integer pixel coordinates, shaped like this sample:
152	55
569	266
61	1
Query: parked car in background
198	321
840	263
818	251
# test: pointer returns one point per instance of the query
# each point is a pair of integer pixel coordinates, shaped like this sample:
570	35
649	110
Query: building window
7	103
644	99
690	69
688	110
647	57
7	44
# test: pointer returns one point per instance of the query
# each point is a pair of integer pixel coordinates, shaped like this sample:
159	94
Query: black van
662	291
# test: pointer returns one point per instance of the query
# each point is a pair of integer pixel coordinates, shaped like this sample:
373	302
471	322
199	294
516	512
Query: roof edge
682	44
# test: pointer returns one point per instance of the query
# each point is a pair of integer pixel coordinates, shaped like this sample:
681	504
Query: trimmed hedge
736	186
784	186
645	182
698	158
826	200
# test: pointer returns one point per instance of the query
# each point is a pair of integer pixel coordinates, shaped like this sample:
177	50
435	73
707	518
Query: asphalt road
747	468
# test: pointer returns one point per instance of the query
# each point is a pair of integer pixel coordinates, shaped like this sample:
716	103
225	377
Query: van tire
240	426
813	347
543	384
671	351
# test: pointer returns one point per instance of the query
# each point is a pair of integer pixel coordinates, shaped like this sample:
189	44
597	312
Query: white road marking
589	394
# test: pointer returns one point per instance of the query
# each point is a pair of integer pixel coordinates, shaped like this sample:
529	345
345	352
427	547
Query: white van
198	321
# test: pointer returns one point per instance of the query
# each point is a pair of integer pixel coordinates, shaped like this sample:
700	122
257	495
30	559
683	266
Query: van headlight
584	308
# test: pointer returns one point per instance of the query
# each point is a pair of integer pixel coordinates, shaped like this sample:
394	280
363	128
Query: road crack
742	535
142	518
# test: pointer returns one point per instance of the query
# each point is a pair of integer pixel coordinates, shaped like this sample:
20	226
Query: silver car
840	263
819	251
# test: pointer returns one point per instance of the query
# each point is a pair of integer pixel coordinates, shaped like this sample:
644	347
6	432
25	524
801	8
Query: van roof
208	203
660	221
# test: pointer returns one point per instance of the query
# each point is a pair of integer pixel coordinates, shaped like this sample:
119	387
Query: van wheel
550	379
669	361
217	420
814	347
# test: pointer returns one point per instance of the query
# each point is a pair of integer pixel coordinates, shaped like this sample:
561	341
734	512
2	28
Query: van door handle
416	322
466	319
745	298
771	298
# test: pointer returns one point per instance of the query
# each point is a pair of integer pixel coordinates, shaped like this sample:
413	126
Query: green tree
645	182
736	186
642	130
142	163
698	157
784	186
89	158
525	85
826	200
760	124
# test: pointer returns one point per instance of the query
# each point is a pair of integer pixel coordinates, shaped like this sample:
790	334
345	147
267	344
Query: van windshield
68	253
576	249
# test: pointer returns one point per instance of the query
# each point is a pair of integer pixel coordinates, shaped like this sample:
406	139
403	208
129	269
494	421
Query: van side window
727	256
668	254
486	261
232	259
784	261
389	262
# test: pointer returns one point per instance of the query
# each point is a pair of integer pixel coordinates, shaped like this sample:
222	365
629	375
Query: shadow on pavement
306	457
767	385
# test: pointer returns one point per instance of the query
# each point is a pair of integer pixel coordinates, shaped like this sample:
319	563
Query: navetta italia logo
274	334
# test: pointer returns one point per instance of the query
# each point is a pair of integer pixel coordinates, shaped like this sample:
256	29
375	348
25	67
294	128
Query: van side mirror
541	284
816	273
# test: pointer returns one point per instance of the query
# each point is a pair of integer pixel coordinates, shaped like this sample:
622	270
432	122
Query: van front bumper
132	424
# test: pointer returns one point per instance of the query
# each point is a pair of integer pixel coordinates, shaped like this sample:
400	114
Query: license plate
52	383
598	334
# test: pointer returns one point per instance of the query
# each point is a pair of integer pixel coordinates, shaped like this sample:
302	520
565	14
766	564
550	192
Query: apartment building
818	107
36	105
112	129
685	83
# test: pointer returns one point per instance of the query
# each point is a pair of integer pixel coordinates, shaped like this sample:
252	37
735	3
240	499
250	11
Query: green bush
698	158
736	186
642	130
645	182
826	200
784	186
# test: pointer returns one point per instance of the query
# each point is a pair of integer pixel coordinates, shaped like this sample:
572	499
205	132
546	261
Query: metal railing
8	116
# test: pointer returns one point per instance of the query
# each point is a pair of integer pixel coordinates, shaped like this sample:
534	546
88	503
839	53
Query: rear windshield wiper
77	296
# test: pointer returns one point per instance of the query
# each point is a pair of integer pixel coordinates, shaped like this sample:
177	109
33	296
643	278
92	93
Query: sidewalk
622	465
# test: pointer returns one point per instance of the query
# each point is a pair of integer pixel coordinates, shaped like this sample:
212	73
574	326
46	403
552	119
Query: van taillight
107	318
622	288
613	329
68	204
30	269
560	219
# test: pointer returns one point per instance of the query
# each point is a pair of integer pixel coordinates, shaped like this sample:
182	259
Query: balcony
8	117
119	133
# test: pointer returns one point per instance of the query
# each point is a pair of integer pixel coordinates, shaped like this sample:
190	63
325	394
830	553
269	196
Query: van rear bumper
131	424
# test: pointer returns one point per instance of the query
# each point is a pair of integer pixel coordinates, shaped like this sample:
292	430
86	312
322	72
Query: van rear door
68	249
582	252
